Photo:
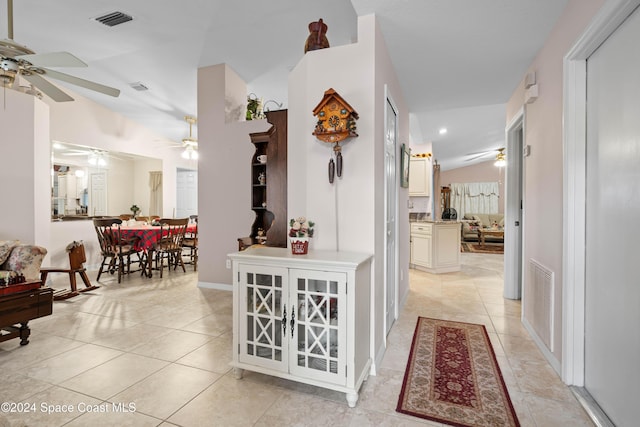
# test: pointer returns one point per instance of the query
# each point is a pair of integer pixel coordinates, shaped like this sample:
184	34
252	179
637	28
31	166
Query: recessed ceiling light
442	131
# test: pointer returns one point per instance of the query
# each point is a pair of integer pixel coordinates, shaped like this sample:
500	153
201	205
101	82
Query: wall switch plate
228	263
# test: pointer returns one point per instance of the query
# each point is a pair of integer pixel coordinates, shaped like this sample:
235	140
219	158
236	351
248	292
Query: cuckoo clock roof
331	94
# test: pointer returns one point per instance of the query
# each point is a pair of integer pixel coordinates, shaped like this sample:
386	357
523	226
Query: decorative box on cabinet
435	246
419	177
269	184
305	318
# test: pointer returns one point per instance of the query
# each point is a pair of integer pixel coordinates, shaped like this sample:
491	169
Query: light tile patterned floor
162	347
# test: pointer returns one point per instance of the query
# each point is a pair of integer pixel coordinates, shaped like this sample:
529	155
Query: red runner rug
452	377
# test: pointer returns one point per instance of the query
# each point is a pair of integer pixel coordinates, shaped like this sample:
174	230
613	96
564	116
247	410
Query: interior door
391	207
186	193
612	294
98	194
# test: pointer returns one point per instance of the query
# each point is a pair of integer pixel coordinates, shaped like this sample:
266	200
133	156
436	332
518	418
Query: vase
299	245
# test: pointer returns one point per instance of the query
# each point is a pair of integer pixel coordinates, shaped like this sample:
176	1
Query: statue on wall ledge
317	39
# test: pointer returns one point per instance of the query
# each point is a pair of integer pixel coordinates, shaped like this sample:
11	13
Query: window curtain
155	185
475	197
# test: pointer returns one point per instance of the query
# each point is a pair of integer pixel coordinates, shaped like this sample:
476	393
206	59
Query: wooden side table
16	309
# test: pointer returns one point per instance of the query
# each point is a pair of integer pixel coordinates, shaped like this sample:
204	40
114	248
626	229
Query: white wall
25	170
543	170
349	213
224	172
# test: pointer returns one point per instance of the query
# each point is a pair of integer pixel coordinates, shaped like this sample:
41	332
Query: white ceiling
458	61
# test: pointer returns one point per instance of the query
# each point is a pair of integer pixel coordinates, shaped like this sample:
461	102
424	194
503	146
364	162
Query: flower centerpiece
135	209
300	230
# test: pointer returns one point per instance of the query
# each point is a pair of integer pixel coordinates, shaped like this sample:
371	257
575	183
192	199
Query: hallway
164	346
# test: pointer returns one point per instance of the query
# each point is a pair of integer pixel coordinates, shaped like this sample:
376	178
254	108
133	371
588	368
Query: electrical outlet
228	263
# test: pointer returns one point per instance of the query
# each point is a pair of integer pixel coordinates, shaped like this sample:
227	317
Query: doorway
514	203
391	210
98	194
186	193
601	187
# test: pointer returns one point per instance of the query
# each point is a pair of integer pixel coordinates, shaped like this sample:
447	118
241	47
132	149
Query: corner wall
349	213
543	179
224	172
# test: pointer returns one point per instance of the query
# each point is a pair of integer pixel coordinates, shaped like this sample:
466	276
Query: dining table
145	236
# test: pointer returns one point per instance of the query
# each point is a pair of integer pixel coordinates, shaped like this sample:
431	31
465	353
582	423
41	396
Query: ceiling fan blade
49	89
53	59
479	156
83	83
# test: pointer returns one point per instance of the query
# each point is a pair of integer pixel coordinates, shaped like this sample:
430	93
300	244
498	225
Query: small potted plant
134	209
300	231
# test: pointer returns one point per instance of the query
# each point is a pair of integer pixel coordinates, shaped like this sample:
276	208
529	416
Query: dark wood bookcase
269	196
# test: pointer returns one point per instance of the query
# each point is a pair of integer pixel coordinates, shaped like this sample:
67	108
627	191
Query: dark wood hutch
269	184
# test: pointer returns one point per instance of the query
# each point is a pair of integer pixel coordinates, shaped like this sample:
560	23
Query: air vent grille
139	86
114	18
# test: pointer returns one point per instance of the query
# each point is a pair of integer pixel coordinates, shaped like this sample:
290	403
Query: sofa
17	259
472	221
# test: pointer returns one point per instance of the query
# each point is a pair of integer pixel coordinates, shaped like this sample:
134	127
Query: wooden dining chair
116	250
169	245
125	217
190	244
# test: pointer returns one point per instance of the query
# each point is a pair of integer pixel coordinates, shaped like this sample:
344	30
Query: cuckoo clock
336	122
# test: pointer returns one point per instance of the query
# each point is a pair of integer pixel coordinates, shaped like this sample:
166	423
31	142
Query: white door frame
394	203
514	208
606	21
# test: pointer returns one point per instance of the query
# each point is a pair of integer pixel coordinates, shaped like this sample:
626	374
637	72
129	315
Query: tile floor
156	353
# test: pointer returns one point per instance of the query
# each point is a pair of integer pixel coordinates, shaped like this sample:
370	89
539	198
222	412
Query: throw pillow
5	249
477	219
27	259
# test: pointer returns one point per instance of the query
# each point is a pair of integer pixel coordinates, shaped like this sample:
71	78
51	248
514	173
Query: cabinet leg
238	373
25	331
352	399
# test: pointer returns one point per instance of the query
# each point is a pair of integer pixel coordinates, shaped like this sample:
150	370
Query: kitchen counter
435	246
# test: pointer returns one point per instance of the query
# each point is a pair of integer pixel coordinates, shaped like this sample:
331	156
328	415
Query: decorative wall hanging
336	122
317	38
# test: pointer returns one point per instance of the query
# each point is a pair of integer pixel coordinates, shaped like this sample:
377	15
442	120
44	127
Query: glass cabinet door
262	309
319	329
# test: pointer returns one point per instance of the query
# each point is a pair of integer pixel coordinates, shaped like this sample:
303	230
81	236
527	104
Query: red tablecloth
146	235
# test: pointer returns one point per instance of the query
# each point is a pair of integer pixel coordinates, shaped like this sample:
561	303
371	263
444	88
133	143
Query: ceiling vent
139	86
114	18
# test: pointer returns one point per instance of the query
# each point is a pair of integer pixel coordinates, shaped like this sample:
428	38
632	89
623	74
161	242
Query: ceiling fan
19	61
190	143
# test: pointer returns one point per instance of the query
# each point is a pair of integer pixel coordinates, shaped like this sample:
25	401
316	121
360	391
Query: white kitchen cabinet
420	177
303	317
435	246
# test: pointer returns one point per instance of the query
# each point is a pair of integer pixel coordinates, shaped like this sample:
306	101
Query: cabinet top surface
314	257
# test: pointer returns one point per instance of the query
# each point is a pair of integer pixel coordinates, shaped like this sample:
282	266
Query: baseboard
218	286
543	348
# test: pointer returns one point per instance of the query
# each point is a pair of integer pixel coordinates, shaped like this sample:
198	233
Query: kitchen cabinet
435	246
305	318
420	177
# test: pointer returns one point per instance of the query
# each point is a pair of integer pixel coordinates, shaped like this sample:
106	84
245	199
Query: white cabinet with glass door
296	317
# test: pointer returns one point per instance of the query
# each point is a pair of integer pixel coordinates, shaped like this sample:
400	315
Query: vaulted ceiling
458	61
